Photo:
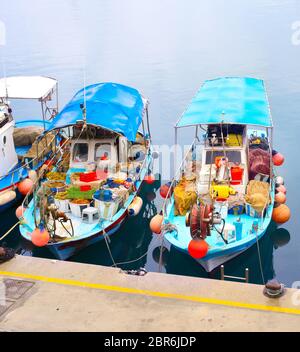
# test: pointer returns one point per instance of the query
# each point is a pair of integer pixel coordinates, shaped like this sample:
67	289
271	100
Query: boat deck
181	238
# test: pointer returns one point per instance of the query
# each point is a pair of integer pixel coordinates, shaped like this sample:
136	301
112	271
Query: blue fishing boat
221	199
21	155
94	185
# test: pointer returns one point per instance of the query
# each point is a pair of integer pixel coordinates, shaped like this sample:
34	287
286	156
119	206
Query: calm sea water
166	49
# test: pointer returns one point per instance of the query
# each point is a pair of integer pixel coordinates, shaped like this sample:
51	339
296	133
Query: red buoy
278	159
164	190
40	237
149	179
198	248
25	187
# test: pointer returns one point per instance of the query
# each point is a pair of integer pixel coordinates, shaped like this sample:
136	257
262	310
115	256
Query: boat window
102	151
80	152
233	156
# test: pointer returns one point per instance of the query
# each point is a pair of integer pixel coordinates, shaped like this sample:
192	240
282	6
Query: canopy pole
57	102
148	125
43	114
175	152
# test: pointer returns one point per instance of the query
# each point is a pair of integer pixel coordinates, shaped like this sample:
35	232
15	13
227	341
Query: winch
201	219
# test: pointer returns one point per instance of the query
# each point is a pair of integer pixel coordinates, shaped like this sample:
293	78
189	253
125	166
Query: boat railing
177	175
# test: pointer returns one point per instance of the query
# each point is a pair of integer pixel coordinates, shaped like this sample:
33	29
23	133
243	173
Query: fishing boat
21	155
221	199
93	186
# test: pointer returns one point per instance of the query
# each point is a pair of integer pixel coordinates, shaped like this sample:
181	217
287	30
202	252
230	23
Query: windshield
233	156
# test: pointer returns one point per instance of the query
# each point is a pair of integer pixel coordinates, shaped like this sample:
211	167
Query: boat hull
214	261
65	250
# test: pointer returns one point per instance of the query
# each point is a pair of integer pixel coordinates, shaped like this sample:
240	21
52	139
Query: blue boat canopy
230	101
111	106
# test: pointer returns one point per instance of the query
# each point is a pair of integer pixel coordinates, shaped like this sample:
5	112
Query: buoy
32	175
198	248
164	190
135	206
20	211
279	181
280	237
281	214
25	187
278	159
280	198
40	237
281	188
155	223
149	179
7	196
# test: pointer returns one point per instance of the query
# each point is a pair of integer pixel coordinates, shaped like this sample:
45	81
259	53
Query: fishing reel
202	219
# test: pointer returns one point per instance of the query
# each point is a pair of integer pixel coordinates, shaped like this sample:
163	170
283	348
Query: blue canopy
108	105
230	101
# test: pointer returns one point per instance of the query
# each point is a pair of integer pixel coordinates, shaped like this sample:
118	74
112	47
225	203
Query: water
166	49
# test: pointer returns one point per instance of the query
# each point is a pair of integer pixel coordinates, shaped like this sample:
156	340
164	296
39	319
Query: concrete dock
48	295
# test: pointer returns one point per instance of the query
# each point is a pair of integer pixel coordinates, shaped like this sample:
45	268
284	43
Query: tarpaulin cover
230	101
109	105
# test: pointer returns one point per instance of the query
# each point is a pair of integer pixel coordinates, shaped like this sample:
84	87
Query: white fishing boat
21	154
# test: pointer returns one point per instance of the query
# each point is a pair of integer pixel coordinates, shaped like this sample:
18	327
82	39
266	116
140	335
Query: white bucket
62	204
107	209
77	209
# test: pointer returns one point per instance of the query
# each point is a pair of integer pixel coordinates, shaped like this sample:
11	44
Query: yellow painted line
135	291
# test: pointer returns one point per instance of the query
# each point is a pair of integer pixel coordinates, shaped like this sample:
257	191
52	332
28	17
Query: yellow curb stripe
135	291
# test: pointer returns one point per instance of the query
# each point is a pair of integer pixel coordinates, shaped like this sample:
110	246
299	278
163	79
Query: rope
259	260
9	231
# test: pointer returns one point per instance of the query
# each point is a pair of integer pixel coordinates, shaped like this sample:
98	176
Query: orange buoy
149	179
198	248
40	237
20	211
164	190
278	159
156	223
280	198
281	214
281	188
25	187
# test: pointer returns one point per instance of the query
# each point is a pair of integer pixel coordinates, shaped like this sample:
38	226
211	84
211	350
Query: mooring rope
10	230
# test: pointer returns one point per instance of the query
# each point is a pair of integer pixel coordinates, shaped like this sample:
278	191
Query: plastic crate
88	176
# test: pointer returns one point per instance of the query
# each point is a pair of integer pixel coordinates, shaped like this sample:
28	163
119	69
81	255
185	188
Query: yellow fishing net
185	195
258	194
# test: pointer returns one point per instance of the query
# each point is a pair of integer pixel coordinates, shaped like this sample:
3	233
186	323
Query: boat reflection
181	264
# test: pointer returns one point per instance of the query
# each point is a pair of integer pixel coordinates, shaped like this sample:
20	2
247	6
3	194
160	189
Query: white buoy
135	207
32	175
279	181
7	197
